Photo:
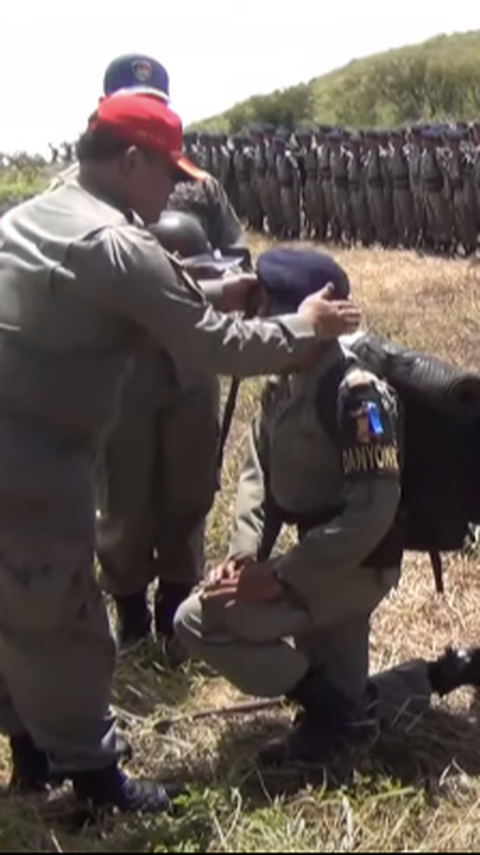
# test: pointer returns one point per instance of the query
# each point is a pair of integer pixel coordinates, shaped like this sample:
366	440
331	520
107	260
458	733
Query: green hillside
438	79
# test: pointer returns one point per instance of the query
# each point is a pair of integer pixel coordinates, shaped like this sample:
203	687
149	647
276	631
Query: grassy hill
438	79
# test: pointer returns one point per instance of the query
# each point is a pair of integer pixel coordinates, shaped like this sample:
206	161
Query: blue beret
136	71
335	136
454	134
289	276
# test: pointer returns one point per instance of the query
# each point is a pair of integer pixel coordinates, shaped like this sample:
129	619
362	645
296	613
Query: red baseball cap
148	122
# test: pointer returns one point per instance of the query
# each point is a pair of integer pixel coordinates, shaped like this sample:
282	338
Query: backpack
440	449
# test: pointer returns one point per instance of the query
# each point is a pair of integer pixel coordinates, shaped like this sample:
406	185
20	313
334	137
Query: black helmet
180	232
183	234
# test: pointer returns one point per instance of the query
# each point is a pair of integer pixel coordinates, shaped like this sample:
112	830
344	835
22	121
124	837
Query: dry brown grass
415	790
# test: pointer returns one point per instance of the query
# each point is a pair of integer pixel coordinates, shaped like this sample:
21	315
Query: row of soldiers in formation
416	187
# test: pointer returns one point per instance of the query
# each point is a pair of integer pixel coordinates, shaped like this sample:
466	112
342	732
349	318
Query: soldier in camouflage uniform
275	220
191	149
402	194
221	160
326	180
342	223
461	182
361	221
289	180
243	167
414	164
312	200
476	168
376	170
205	152
260	171
435	187
299	152
384	141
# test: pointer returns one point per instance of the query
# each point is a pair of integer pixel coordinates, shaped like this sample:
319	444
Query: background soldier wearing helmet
159	485
151	522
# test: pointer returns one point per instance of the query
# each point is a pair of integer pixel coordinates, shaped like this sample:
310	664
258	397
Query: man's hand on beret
242	293
330	318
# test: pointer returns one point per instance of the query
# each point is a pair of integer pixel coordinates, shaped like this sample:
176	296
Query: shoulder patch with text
368	425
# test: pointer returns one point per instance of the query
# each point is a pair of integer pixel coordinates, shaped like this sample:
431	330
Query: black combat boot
319	730
456	668
30	771
111	788
169	598
134	620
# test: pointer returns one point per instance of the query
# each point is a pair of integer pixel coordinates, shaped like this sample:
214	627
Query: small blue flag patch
374	419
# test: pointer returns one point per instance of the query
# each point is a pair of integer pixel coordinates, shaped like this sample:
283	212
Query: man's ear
129	160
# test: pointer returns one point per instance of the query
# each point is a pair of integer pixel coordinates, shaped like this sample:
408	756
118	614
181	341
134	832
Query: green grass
17	184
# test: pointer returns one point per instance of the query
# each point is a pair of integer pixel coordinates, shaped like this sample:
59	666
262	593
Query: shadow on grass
420	756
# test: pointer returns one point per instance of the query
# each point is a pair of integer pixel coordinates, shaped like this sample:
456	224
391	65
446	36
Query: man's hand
251	583
330	318
226	570
242	293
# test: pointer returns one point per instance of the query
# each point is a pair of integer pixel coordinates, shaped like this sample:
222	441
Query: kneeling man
324	454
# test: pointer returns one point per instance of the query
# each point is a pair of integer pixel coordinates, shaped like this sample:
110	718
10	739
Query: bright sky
53	52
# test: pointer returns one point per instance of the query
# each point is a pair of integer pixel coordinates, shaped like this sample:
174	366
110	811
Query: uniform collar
304	382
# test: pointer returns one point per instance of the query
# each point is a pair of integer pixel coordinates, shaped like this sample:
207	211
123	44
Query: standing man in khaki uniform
83	282
152	524
322	454
152	435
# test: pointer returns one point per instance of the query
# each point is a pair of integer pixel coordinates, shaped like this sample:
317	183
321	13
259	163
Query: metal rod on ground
221	712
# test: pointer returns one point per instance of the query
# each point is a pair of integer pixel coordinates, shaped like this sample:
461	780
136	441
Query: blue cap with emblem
289	276
137	73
